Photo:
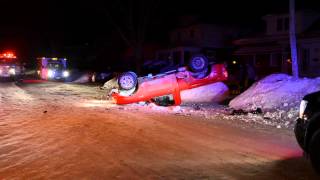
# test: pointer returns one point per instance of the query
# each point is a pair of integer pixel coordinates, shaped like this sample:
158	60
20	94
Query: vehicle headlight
303	106
66	74
12	71
50	73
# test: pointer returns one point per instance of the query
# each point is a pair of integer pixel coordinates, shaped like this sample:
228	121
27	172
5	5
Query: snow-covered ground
51	130
278	96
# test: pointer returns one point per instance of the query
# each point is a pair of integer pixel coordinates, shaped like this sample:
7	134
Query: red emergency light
8	55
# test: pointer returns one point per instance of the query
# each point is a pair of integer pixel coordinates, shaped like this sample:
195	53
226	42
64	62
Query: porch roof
259	50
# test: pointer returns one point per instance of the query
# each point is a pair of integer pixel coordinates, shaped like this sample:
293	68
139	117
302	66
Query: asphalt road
65	131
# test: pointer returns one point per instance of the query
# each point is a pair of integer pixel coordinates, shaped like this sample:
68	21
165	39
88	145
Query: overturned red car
164	89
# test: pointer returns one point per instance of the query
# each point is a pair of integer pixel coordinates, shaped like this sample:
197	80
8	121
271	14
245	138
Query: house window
192	33
305	59
262	60
286	24
279	24
276	60
187	56
211	54
178	36
177	57
164	56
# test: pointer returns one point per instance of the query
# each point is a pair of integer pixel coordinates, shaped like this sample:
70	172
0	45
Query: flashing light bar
8	55
54	59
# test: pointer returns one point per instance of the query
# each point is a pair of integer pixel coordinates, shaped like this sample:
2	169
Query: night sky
34	28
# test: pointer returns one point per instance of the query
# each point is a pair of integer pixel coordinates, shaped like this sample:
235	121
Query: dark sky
33	25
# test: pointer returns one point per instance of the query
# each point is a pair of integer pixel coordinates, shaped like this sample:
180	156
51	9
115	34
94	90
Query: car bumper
57	76
300	132
5	74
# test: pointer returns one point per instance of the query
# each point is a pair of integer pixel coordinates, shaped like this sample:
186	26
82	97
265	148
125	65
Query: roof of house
311	32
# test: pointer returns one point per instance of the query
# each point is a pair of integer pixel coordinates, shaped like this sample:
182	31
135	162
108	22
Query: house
209	39
203	35
269	51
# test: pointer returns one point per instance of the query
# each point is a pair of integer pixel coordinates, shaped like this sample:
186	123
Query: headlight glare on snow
303	106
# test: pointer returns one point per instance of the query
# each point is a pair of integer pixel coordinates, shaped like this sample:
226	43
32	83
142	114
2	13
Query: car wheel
314	151
127	80
198	63
201	74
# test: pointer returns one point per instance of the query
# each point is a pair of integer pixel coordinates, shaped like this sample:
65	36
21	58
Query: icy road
67	131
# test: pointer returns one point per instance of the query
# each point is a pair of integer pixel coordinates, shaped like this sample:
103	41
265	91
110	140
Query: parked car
165	88
101	77
307	128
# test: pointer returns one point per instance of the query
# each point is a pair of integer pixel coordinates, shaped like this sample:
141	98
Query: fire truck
53	68
10	67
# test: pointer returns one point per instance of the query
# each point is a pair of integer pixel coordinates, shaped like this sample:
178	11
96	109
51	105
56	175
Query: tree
130	19
293	40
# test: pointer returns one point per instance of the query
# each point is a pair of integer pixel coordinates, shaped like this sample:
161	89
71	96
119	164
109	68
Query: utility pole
293	40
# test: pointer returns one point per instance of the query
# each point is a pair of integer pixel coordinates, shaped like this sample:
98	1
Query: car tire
201	74
300	133
198	63
128	80
314	151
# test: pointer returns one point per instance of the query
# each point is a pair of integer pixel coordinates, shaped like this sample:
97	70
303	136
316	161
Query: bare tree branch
117	27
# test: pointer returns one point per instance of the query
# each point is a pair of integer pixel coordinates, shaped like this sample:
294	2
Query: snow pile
278	96
215	92
111	84
84	78
277	91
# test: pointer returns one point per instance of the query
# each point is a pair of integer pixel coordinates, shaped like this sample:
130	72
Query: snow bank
277	92
84	78
111	84
211	93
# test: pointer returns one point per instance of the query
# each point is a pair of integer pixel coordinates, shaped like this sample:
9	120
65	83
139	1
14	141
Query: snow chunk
111	86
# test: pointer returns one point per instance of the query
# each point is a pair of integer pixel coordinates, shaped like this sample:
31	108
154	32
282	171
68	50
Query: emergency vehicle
53	68
10	67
